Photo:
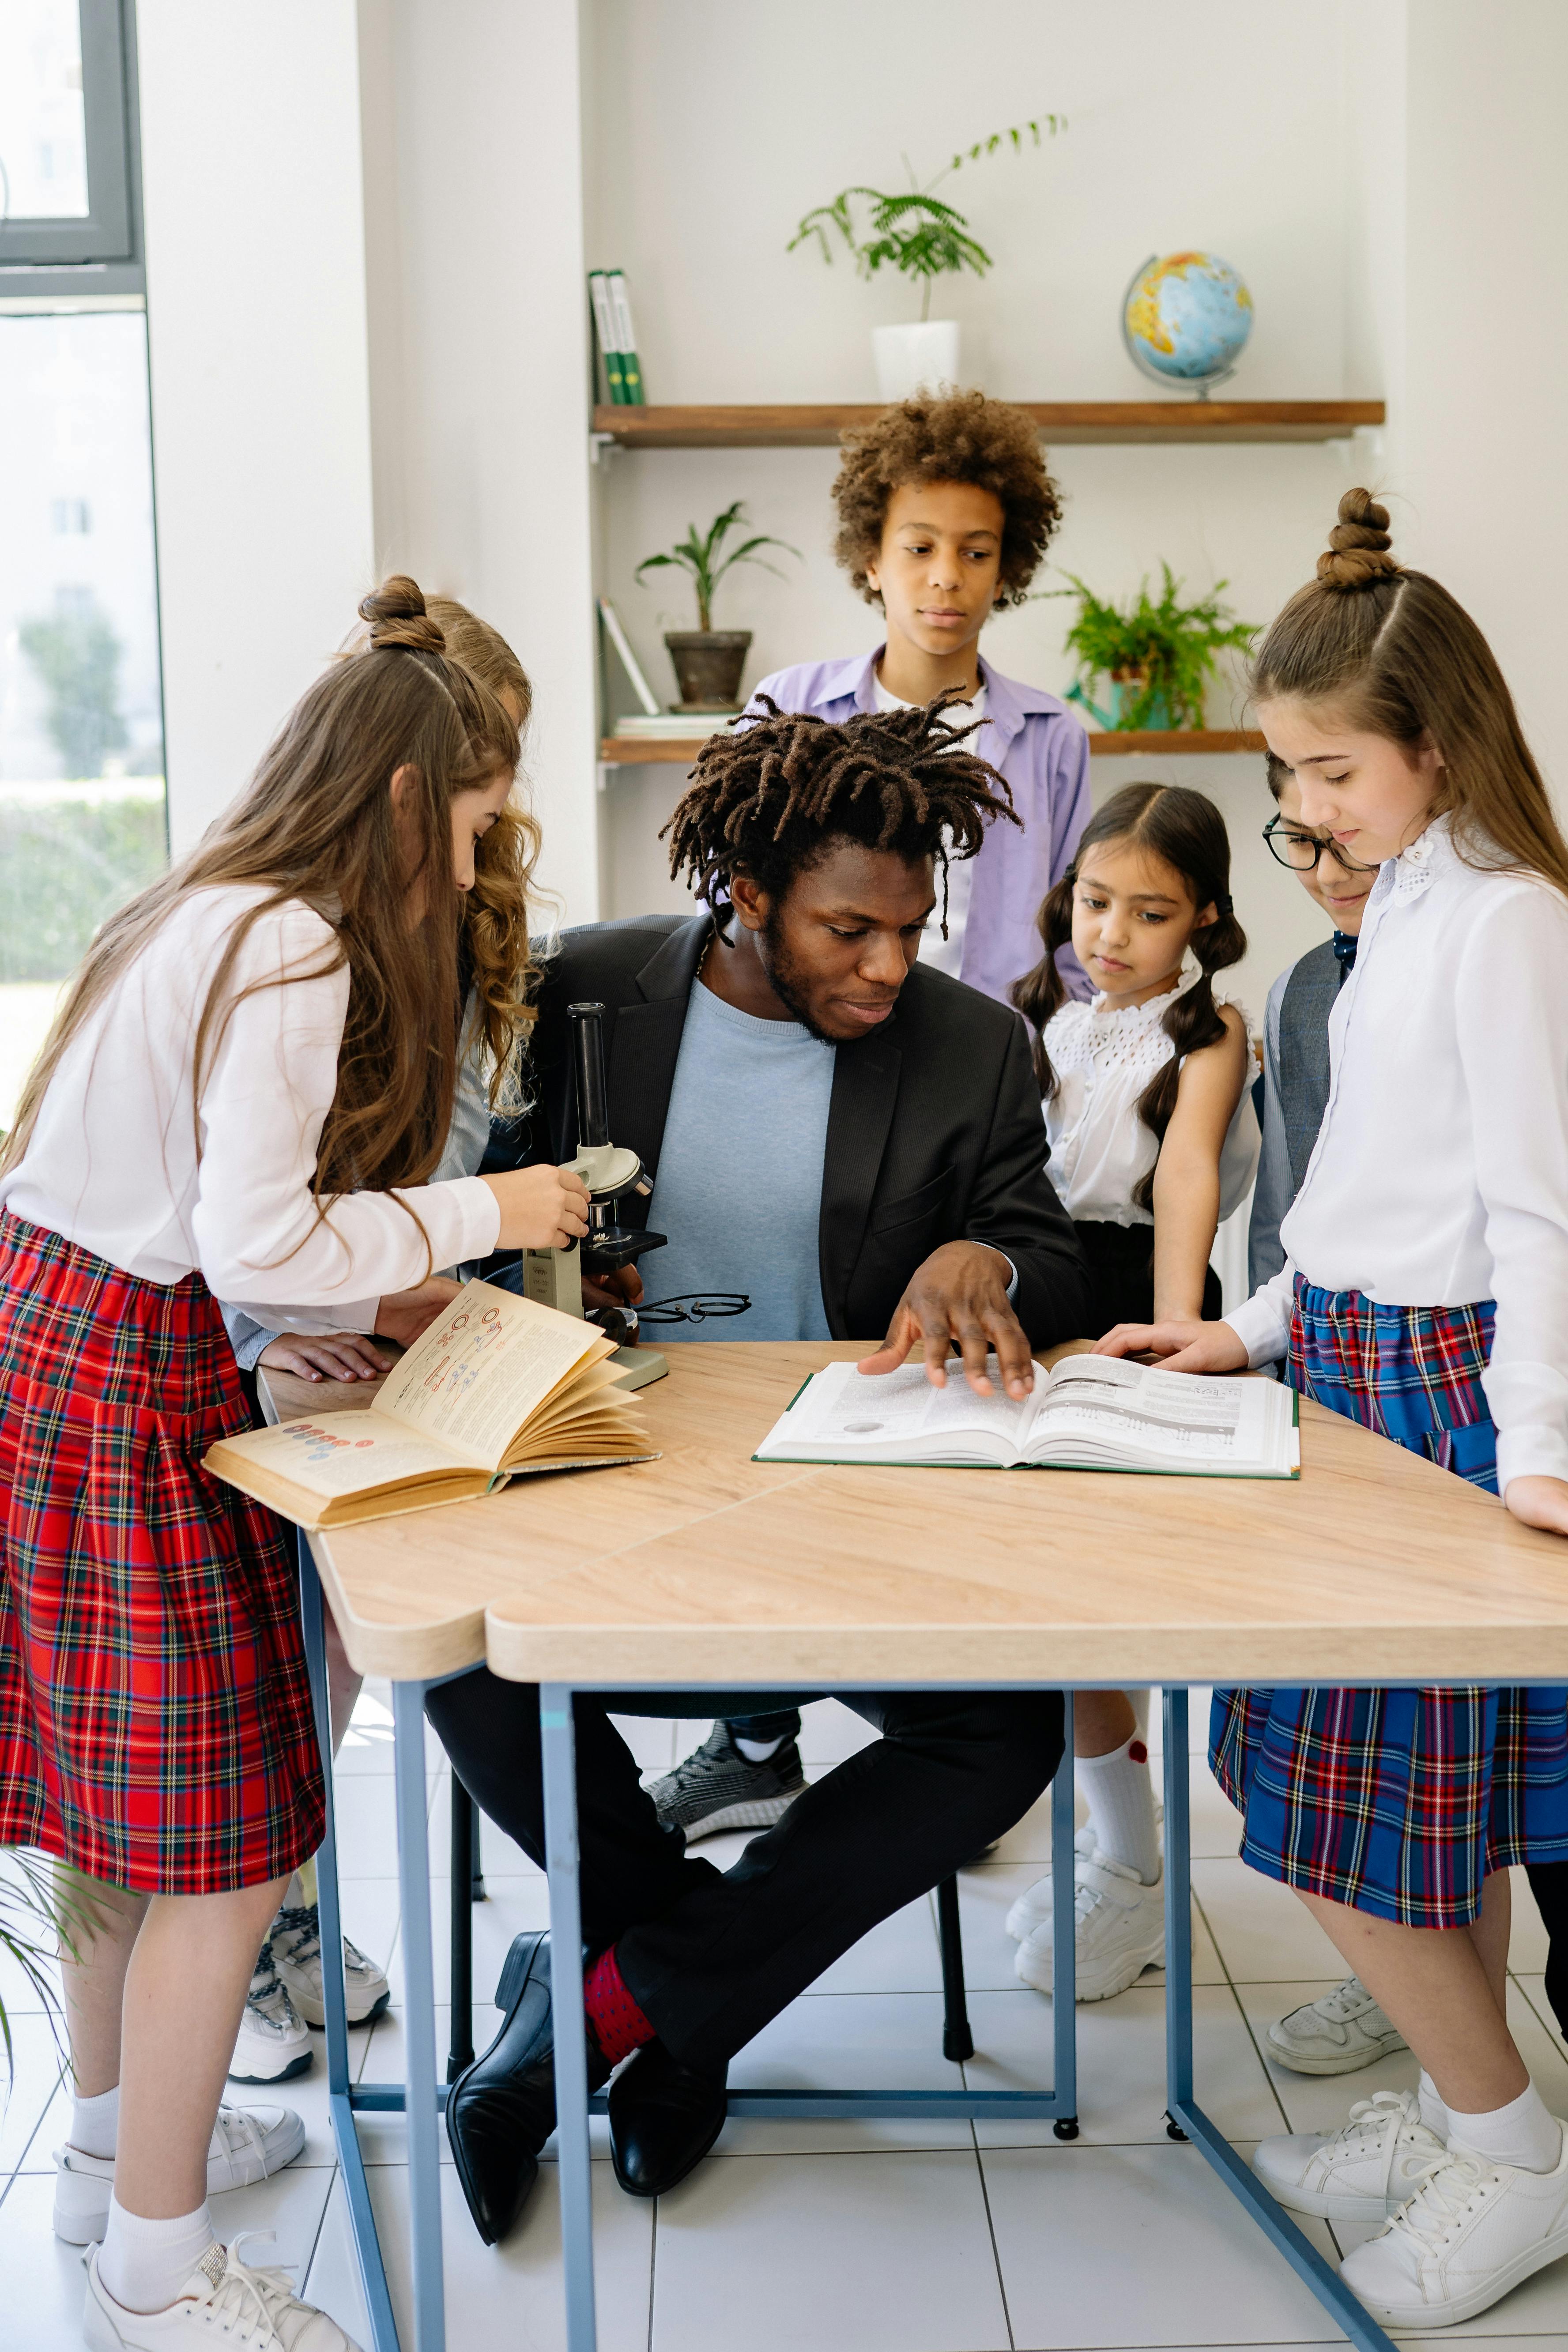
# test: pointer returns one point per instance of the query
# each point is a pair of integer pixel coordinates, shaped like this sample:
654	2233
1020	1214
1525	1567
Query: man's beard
783	975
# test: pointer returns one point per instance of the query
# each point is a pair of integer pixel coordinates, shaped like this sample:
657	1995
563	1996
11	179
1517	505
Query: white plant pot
921	358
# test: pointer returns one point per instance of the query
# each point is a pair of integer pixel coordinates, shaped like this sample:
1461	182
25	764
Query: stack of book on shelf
616	338
674	726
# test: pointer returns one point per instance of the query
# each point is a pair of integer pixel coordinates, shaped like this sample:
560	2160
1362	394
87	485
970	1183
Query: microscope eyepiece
593	1100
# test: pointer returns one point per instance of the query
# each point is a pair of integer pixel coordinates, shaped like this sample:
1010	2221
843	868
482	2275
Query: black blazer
934	1131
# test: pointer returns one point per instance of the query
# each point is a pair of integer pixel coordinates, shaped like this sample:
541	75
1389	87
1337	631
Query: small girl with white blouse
1153	1139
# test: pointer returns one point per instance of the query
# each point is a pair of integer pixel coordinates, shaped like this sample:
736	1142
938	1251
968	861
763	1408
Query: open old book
1093	1413
497	1386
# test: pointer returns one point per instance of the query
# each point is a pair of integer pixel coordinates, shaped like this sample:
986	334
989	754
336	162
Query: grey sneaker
273	2040
1337	2036
718	1789
296	1940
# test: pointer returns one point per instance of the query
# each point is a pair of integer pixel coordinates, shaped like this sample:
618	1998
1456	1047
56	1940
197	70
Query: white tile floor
838	2237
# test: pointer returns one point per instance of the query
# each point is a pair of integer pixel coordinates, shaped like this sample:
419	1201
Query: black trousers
1549	1885
710	1956
1122	1276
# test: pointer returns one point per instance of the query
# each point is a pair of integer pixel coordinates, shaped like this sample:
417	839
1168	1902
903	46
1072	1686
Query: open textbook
497	1386
1093	1413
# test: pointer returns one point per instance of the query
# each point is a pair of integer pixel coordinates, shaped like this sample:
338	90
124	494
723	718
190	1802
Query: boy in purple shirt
945	510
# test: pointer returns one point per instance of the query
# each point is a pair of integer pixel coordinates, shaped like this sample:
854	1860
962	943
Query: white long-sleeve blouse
1440	1174
1104	1056
113	1162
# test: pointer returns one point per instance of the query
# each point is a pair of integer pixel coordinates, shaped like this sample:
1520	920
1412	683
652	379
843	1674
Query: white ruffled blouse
1104	1056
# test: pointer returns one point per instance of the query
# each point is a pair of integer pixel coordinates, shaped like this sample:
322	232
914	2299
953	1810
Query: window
66	151
82	821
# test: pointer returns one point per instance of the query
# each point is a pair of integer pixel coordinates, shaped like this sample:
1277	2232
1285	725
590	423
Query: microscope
554	1277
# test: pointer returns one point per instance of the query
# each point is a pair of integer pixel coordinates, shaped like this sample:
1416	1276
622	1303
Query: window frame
98	252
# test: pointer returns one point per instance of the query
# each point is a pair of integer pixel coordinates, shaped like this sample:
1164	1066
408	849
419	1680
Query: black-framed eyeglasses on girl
1301	851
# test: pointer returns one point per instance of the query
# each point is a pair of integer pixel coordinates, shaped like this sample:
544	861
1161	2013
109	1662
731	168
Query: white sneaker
1343	2032
273	2042
1472	2230
296	1941
1032	1910
1120	1931
1363	2172
223	2300
248	2144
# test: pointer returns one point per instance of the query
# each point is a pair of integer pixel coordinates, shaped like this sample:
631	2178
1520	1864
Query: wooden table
707	1568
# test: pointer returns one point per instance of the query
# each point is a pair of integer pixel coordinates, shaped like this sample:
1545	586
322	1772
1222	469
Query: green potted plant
922	239
709	661
1157	658
41	1914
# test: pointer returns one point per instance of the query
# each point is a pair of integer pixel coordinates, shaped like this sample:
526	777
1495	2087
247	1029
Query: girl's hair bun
1357	555
396	615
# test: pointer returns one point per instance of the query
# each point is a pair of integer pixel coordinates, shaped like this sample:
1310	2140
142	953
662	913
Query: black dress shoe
501	2109
663	2118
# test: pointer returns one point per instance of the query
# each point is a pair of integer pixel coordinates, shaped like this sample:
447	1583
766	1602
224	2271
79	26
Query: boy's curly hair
962	437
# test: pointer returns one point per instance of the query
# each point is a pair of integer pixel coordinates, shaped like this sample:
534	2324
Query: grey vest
1304	1011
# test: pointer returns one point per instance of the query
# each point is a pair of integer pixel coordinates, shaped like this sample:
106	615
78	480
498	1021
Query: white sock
757	1751
1525	2133
94	2123
1434	2112
143	2264
1120	1799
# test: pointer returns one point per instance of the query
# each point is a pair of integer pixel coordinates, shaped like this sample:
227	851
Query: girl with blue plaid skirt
1425	1295
246	1088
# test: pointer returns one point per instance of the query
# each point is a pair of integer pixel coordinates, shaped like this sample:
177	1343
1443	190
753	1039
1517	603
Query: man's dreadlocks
770	798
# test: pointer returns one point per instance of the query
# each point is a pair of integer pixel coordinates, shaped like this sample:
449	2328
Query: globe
1185	318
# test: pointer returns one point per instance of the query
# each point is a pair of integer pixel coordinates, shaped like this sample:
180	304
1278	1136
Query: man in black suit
854	1141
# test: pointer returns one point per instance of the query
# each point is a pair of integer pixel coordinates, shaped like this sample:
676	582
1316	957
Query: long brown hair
1400	658
1186	831
316	824
499	956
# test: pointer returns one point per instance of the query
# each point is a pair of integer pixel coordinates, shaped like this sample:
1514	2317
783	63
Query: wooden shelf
1062	422
637	752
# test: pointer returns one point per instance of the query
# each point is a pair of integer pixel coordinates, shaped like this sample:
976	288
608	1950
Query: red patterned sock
615	2021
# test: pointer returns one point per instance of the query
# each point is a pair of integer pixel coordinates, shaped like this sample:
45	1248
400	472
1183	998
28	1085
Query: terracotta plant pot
707	666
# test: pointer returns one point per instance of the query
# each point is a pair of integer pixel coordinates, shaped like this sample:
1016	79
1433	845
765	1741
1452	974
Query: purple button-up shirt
1037	744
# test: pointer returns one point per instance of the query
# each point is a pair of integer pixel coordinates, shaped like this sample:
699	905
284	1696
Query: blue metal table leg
1187	2120
1064	1955
421	2104
560	1760
361	2219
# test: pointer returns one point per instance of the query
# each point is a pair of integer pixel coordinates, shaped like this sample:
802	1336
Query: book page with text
844	1408
340	1453
482	1367
1135	1408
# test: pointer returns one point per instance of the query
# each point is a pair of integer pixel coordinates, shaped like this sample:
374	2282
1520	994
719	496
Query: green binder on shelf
626	338
605	335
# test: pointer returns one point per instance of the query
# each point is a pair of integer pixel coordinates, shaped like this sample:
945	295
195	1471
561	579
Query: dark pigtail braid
1186	831
766	799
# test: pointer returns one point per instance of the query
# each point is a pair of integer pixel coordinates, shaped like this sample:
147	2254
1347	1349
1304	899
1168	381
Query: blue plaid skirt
1400	1802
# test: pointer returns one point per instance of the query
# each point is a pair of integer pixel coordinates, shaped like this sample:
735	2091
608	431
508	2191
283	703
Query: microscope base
638	1366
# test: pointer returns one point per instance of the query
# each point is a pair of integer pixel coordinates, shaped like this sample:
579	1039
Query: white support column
255	298
479	376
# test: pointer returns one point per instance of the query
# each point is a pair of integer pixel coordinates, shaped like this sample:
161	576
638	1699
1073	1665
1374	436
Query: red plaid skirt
155	1721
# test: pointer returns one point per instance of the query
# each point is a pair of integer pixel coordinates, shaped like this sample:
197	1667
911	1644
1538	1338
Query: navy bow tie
1344	948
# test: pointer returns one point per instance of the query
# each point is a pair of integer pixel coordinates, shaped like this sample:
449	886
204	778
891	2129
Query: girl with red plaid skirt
248	1085
1425	1295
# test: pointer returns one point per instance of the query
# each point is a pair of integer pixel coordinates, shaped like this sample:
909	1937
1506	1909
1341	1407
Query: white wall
1484	481
260	401
480	383
1225	126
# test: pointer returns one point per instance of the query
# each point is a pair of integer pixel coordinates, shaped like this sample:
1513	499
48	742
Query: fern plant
1161	651
701	558
919	234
